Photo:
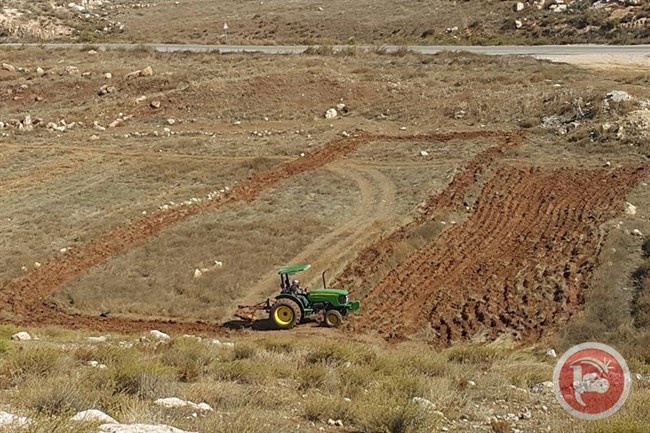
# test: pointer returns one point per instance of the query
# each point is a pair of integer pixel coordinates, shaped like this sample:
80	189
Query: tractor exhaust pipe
324	285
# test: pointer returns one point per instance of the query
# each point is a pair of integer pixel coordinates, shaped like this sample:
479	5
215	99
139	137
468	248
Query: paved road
535	51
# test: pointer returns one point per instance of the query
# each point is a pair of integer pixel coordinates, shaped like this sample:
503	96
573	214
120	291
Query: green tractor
293	304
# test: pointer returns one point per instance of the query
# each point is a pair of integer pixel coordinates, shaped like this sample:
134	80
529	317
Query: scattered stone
71	70
525	415
96	364
551	353
40	71
108	75
630	209
518	24
637	232
331	113
138	428
336	423
21	336
618	96
424	153
543	387
94	137
147	72
105	89
198	273
37	265
10	68
159	335
519	6
471	383
93	415
423	402
171	121
100	339
174	402
7	419
155	104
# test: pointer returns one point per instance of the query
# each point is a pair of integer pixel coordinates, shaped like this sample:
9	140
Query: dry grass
278	382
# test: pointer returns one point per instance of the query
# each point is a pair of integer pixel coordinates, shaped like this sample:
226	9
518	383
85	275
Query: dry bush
56	395
190	358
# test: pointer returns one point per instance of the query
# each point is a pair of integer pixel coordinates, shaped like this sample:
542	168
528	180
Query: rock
174	402
108	75
155	104
93	415
91	52
98	127
100	339
10	68
40	72
7	419
471	383
21	336
543	387
518	24
159	335
71	70
331	113
423	402
525	415
630	209
336	423
105	89
146	72
96	364
551	353
424	153
198	273
518	7
133	74
637	232
94	137
618	96
138	428
171	121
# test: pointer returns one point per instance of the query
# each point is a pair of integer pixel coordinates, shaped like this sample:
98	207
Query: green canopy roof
294	269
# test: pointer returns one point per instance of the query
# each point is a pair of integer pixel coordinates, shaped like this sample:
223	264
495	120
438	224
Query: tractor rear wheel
333	318
285	314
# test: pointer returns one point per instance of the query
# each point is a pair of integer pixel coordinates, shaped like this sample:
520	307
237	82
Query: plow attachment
248	312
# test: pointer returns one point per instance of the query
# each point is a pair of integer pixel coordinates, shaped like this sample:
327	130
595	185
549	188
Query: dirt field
463	199
335	22
440	164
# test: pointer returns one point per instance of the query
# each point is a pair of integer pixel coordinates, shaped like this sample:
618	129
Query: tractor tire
285	314
333	318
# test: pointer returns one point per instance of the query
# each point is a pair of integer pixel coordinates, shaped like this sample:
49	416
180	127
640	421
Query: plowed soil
520	264
26	298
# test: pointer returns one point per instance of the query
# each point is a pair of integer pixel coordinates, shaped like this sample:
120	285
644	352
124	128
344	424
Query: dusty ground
337	21
461	198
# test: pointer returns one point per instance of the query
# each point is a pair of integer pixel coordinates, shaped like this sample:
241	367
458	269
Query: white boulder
93	415
174	402
138	428
9	419
630	209
21	336
159	335
331	113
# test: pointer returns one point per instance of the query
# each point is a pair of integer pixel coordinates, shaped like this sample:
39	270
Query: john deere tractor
293	304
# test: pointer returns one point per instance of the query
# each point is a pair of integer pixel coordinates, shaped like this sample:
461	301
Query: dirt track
25	297
521	263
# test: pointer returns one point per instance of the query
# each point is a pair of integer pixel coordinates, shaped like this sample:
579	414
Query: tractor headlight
343	299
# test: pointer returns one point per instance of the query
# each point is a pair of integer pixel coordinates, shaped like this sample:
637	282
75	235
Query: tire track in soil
375	207
520	264
25	298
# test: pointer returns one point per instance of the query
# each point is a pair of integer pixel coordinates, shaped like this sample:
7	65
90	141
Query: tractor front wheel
333	318
285	314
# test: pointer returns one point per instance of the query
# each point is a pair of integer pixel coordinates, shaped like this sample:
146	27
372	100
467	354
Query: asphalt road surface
539	51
